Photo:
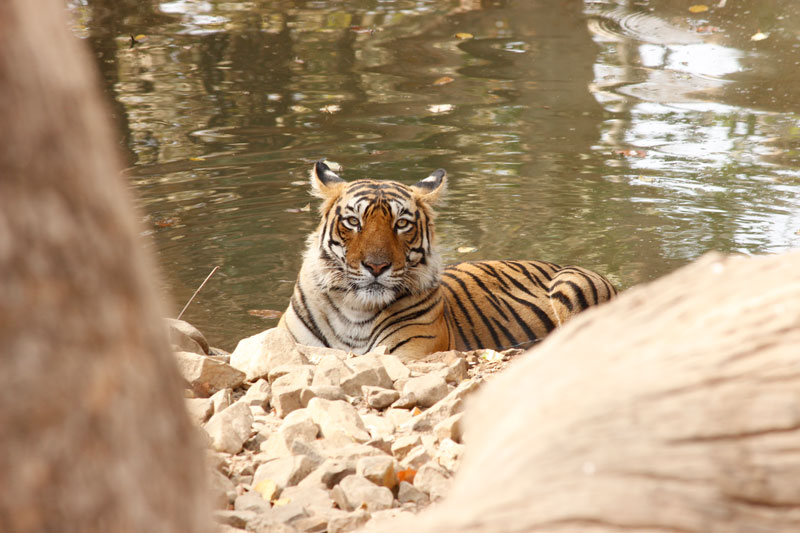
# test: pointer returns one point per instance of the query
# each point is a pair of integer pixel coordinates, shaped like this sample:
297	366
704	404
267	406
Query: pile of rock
313	439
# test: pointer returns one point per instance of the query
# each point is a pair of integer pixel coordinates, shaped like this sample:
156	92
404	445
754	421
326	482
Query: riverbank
306	440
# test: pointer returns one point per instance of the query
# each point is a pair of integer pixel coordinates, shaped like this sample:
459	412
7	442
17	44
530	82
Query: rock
298	425
350	452
311	524
378	426
449	428
314	499
285	512
258	394
291	375
446	407
409	493
433	480
230	428
397	416
457	370
387	518
347	522
427	389
330	371
379	398
337	417
274	446
379	470
449	454
205	375
221	489
405	401
180	331
221	400
286	399
356	491
200	409
257	355
326	392
237	519
403	445
329	473
308	448
383	444
367	370
394	367
285	471
415	458
267	489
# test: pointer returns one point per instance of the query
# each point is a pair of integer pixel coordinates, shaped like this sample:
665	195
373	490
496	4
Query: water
629	137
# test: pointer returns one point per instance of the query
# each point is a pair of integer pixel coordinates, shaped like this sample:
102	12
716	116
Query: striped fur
371	276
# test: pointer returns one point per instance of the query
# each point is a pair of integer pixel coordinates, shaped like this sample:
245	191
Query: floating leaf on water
698	8
464	35
444	80
707	29
758	36
631	153
199	158
441	108
406	475
466	249
140	37
646	179
166	222
361	29
305	209
265	313
331	108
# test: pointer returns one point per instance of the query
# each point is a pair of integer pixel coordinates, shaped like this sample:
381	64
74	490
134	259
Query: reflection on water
627	136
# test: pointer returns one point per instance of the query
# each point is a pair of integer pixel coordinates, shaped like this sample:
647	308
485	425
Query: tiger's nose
376	269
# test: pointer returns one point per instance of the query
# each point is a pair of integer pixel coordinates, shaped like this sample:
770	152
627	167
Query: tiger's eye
352	222
402	224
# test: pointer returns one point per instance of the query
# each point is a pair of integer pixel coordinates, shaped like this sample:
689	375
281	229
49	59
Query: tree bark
93	430
675	407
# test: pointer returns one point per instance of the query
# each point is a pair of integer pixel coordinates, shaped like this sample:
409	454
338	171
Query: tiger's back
505	304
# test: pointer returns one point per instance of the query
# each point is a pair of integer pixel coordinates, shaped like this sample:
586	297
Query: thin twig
198	290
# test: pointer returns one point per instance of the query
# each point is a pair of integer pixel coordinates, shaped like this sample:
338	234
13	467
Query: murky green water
630	137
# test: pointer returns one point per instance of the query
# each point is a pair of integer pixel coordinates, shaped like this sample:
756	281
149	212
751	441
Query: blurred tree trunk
93	432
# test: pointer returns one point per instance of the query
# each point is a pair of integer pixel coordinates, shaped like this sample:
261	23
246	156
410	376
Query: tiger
372	277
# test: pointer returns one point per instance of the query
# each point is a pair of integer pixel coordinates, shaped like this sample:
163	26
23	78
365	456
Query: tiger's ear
431	188
325	183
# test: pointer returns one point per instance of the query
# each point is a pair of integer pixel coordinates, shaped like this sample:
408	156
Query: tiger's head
375	242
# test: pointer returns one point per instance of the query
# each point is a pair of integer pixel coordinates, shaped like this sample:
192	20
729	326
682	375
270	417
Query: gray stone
329	473
257	355
285	471
314	499
394	367
449	428
298	425
309	449
311	524
378	426
230	428
378	397
286	399
350	452
338	417
187	337
221	400
252	501
383	444
238	519
427	389
287	512
205	375
330	371
326	392
274	446
444	408
347	522
221	489
356	491
415	458
449	454
258	394
419	368
433	480
405	401
291	375
404	444
409	493
379	470
200	409
457	371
